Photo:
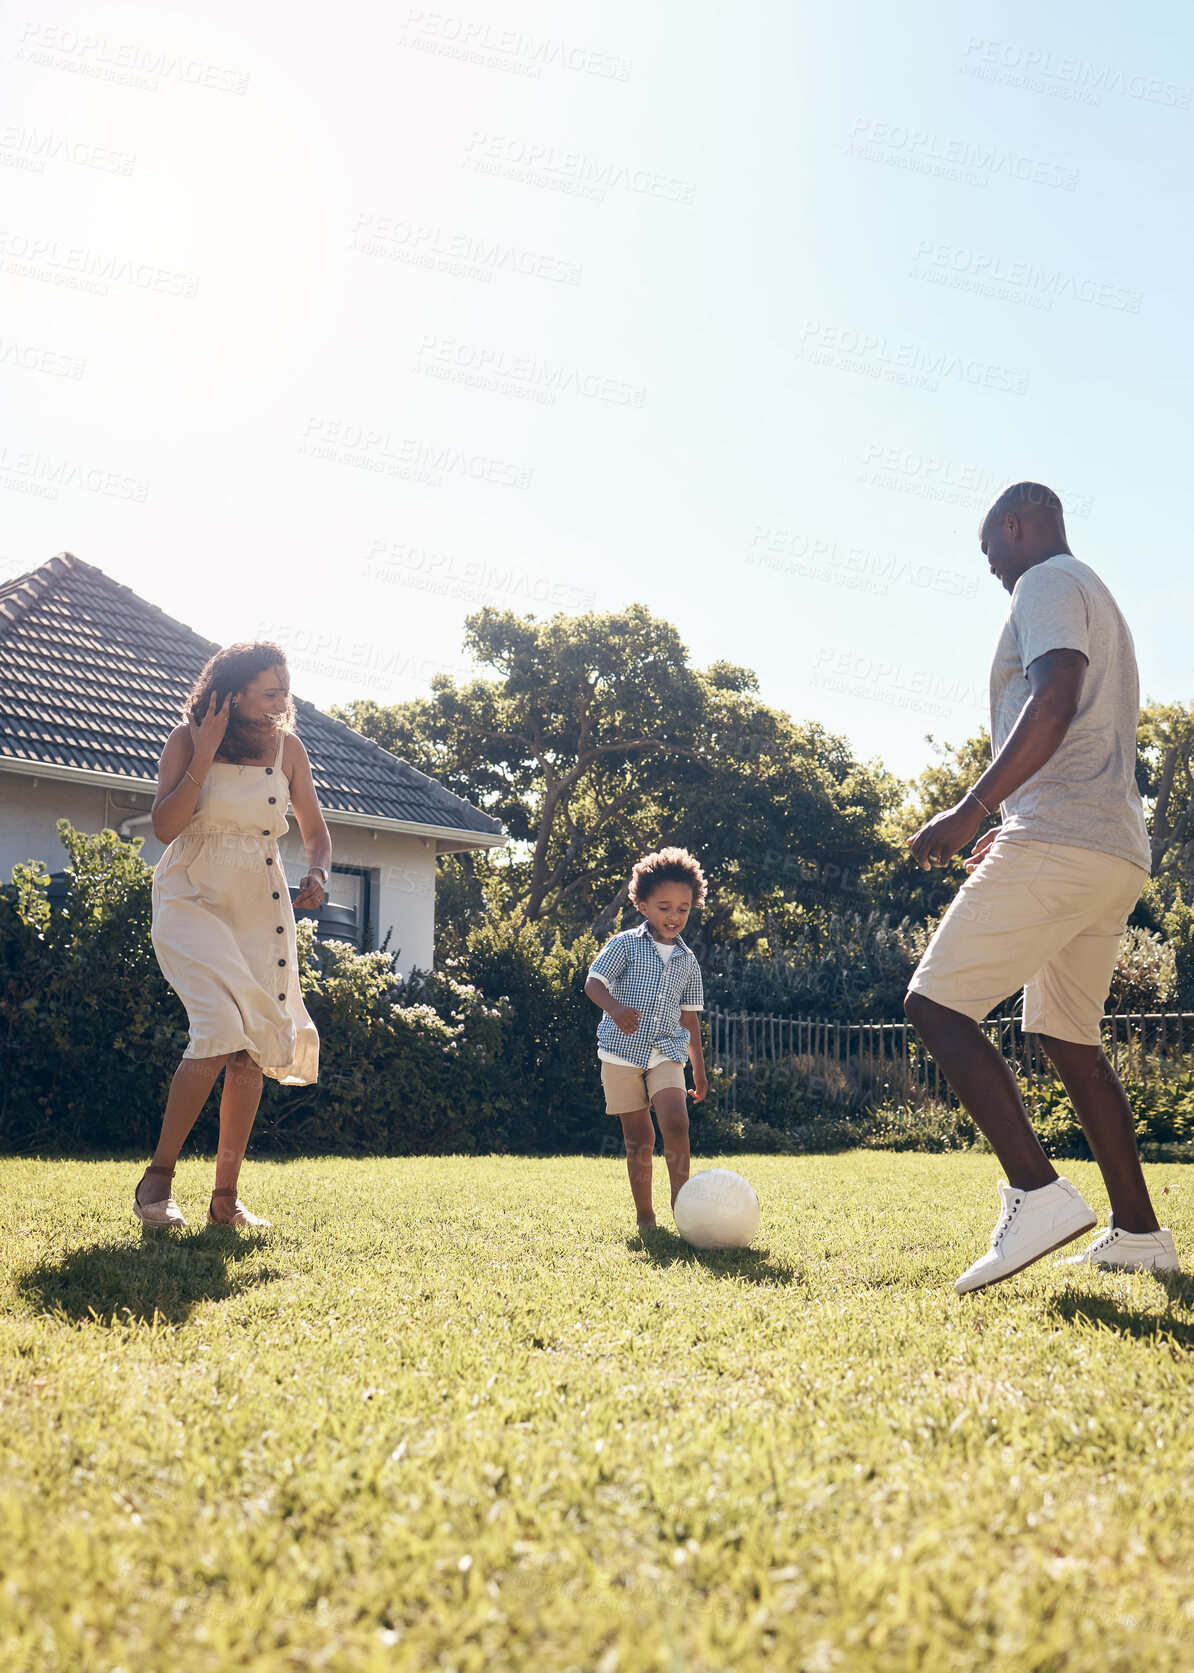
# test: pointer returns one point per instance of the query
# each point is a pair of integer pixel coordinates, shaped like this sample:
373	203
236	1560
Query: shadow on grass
165	1276
1104	1312
666	1248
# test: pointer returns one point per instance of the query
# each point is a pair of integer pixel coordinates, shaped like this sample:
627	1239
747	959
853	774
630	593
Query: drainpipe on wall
125	827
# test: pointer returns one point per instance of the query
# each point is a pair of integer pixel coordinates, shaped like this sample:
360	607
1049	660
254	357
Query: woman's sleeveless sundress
223	926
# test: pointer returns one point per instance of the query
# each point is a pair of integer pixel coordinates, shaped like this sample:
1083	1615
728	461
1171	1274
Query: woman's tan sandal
164	1212
241	1215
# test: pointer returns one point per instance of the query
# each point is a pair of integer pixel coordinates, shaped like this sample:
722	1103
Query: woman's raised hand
207	737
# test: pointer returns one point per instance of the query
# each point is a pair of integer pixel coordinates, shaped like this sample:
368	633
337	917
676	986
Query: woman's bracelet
192	777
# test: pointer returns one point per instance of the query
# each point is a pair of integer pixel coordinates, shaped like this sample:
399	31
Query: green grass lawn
453	1414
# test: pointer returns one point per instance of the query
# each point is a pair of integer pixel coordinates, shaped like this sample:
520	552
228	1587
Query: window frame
329	929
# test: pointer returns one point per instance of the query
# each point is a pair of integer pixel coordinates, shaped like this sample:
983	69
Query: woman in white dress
223	925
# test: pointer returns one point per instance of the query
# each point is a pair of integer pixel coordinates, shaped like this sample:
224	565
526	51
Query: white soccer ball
717	1209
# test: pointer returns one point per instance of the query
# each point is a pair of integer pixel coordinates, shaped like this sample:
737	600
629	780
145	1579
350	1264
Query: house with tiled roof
93	679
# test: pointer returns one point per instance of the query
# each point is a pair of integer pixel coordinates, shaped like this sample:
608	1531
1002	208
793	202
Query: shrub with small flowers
1145	976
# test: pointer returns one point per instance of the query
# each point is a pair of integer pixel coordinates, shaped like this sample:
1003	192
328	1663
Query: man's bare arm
1055	687
1055	691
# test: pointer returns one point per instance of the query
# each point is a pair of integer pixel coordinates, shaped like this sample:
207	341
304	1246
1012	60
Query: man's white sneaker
1032	1224
1131	1251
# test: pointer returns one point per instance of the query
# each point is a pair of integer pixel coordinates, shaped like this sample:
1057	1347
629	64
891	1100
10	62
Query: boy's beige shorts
1040	915
628	1088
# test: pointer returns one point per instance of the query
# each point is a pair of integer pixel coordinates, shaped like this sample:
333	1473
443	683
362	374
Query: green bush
92	1033
846	965
810	1105
406	1067
1160	1092
91	1030
1145	975
548	1051
496	1051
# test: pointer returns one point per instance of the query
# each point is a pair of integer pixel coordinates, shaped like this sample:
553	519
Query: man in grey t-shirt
1085	795
1048	895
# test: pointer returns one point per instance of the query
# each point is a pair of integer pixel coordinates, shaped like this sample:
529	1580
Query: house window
344	915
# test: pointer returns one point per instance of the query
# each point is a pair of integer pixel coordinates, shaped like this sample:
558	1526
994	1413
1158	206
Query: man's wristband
981	804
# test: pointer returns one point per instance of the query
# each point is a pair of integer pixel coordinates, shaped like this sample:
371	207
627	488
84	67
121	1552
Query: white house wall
402	874
401	867
30	809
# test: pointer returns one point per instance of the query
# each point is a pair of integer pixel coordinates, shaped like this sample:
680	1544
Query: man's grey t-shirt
1085	795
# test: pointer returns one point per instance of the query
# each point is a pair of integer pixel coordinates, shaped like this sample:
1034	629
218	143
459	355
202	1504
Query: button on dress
218	914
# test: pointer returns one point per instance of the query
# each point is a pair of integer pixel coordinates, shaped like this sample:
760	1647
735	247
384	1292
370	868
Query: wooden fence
888	1059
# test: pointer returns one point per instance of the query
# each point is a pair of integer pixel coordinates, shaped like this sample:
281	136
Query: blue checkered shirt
658	989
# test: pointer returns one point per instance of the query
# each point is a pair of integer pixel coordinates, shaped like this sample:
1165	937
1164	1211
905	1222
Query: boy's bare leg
671	1109
1102	1107
639	1134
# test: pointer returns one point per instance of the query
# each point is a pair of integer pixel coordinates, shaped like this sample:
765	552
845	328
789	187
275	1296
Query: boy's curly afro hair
668	865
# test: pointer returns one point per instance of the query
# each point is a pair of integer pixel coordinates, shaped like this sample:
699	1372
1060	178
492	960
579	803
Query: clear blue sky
334	325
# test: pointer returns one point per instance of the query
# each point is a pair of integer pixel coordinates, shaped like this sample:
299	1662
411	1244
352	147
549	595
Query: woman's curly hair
228	673
667	865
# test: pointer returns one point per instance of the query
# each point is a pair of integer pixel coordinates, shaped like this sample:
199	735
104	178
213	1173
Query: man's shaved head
1024	498
1023	527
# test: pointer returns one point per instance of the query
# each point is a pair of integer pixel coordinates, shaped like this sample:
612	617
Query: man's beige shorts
628	1089
1038	915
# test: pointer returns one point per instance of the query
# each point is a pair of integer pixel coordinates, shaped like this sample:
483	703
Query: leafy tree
1164	742
947	779
1178	925
1164	775
595	741
549	747
900	886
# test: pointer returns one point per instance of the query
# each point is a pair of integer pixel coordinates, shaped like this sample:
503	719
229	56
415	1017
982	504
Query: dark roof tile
95	677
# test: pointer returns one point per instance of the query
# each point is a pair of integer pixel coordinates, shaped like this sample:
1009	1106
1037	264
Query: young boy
648	983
